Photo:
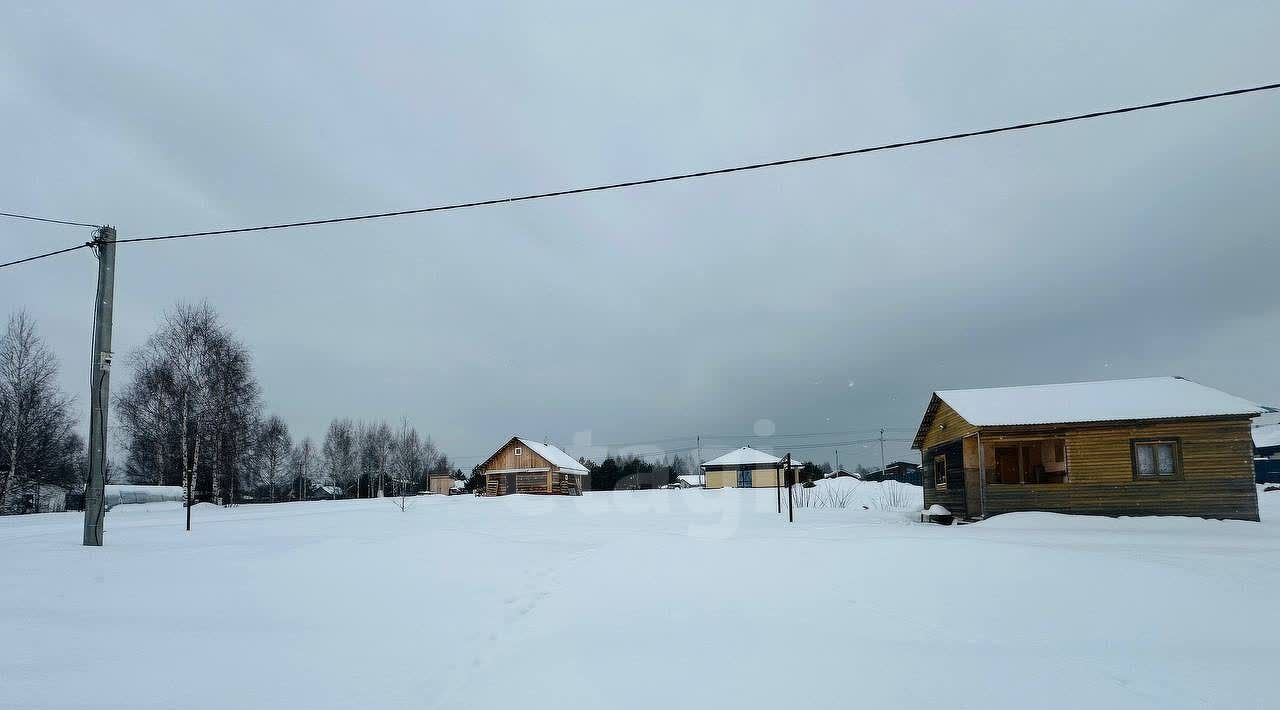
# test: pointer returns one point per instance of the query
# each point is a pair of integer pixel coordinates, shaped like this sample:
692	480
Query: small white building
745	468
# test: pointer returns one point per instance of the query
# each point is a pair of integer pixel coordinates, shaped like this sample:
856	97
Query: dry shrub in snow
825	495
893	495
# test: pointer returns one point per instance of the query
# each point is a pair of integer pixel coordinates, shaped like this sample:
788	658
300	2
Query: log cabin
1146	446
745	468
528	466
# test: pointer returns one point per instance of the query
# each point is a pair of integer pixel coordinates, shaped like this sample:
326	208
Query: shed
442	484
1145	446
692	480
527	466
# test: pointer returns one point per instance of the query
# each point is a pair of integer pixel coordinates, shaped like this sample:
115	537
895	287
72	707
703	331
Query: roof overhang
929	413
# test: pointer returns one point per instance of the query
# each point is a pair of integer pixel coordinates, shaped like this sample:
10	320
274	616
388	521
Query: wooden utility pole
883	472
104	245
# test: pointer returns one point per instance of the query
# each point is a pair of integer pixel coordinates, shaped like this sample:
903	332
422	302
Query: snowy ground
656	599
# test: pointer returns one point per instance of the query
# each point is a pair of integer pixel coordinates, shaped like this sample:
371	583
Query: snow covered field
655	599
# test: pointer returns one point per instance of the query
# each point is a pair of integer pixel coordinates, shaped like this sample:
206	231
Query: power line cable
47	219
671	178
46	255
707	173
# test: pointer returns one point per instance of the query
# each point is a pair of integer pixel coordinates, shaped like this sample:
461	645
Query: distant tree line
192	414
628	472
366	459
38	442
190	411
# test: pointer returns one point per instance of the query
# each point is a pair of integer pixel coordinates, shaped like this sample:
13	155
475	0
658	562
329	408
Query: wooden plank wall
1225	499
953	496
562	482
766	477
536	482
506	458
1216	478
946	426
722	479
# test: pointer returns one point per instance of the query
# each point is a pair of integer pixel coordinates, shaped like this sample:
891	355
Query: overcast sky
825	297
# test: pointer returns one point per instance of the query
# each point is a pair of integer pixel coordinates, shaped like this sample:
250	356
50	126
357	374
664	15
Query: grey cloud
1132	246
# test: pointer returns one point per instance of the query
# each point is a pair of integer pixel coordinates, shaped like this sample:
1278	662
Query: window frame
1175	441
519	451
940	484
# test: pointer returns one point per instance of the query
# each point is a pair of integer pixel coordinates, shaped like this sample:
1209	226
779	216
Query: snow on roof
553	455
743	457
693	479
1108	400
1266	435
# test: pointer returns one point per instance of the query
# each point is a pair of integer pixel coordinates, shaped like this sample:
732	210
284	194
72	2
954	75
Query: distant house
902	471
691	480
1266	453
1148	446
746	468
527	466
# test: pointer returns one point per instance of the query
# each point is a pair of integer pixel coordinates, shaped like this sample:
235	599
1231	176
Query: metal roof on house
1108	400
1266	436
747	456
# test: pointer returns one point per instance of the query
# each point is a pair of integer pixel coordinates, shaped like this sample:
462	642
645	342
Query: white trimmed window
1156	459
519	451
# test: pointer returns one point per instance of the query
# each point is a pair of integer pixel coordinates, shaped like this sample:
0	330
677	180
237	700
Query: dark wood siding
1230	499
952	497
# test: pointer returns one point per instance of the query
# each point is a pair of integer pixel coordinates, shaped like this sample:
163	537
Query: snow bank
588	602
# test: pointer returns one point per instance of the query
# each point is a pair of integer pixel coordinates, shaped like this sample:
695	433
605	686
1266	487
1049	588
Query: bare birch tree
35	418
407	462
275	446
301	463
339	452
191	405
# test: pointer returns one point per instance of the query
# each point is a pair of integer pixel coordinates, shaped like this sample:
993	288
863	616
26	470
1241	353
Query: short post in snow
791	515
777	483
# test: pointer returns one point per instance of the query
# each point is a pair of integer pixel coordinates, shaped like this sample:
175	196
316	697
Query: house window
744	477
1156	459
939	471
1035	461
519	451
